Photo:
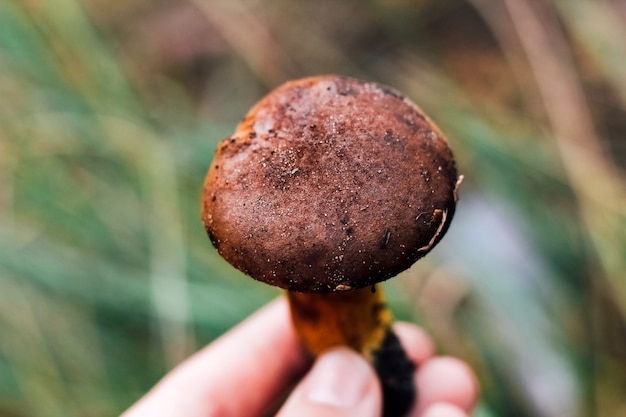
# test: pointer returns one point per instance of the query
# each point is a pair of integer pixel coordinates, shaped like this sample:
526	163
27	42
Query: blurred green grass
109	115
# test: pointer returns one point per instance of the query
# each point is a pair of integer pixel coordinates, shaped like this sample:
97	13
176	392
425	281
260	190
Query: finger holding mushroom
328	186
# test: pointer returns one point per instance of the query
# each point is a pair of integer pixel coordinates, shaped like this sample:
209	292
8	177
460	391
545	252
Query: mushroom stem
361	320
357	319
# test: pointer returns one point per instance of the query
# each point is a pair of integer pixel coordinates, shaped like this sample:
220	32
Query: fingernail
339	378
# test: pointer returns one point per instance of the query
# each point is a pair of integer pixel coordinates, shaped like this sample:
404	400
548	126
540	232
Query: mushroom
328	186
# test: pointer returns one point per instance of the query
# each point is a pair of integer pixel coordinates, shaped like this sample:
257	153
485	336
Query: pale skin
248	371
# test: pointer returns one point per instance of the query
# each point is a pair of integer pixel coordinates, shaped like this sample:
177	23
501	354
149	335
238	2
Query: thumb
340	384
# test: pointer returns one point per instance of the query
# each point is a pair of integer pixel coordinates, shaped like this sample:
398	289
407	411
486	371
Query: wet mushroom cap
329	184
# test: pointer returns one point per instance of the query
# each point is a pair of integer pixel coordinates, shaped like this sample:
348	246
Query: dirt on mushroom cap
329	184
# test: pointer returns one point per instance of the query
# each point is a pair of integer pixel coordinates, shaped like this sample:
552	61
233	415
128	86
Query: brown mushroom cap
329	183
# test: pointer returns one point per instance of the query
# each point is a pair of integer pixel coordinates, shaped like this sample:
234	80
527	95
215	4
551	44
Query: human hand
246	371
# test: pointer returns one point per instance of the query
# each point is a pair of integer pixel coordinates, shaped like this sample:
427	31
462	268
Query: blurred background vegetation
109	116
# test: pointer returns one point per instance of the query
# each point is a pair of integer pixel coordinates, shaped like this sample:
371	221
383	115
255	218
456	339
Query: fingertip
340	384
417	344
443	410
448	380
